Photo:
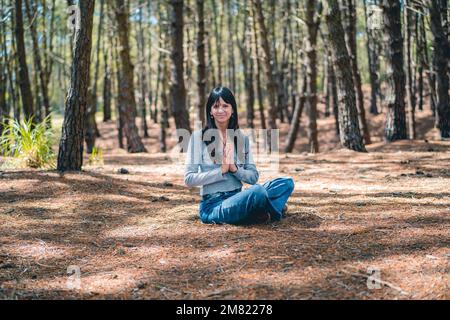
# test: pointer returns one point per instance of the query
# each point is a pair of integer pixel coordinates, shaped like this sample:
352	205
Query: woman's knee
290	184
259	191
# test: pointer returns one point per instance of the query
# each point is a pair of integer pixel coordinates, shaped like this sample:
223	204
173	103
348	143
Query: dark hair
228	97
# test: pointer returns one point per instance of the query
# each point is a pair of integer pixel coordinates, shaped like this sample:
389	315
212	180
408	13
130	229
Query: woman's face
221	111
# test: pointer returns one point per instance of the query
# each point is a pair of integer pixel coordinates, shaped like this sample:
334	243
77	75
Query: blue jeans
243	207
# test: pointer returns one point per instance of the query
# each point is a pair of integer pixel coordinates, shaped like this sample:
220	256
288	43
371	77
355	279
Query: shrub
30	142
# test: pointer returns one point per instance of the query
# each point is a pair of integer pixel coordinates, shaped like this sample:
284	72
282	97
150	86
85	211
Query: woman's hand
229	157
225	163
225	168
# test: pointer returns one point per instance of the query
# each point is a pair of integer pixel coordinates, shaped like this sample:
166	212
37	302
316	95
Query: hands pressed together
228	159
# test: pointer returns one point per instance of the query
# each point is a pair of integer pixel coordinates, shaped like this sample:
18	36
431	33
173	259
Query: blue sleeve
247	172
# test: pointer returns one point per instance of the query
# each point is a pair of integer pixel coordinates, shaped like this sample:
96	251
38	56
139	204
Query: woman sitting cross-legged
219	159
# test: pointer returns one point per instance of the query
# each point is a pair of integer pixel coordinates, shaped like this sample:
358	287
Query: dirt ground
138	236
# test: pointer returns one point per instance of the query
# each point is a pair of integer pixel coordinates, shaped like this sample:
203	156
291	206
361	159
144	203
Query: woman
219	159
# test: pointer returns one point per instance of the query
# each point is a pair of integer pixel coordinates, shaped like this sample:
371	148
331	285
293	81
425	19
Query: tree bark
91	125
70	155
440	65
37	56
247	69
410	95
258	73
348	115
272	87
107	83
178	89
312	23
352	49
296	117
127	102
142	74
373	61
395	128
24	79
201	67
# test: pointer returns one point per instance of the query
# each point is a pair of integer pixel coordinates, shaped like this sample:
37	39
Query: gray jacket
202	172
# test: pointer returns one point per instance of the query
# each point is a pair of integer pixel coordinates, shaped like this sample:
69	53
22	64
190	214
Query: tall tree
218	39
201	67
440	65
255	46
231	43
350	134
247	68
272	87
410	92
352	49
107	82
296	116
395	128
70	155
142	74
178	89
4	112
312	23
91	125
31	12
127	102
331	79
165	78
373	50
24	80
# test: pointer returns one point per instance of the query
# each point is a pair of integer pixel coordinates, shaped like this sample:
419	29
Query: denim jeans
243	207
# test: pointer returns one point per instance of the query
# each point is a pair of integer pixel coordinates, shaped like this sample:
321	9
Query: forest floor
138	236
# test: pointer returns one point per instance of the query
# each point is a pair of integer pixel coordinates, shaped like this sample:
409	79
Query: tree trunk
164	78
373	61
4	112
352	49
312	23
218	41
396	118
348	115
91	125
247	69
127	102
24	80
142	74
334	96
120	122
272	87
107	83
331	81
440	65
164	118
231	59
201	67
420	61
258	73
410	95
70	156
37	56
178	89
296	116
